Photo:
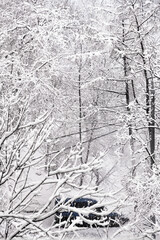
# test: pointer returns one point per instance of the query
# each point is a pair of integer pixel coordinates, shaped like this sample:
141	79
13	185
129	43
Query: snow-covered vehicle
70	211
115	219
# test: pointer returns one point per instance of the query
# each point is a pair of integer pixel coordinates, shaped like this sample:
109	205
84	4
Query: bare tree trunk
80	111
152	123
150	108
125	69
88	152
150	100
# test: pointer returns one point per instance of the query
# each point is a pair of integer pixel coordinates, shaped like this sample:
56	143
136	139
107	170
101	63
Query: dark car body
115	219
94	219
69	216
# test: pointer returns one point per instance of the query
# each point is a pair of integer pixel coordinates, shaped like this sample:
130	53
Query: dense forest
79	113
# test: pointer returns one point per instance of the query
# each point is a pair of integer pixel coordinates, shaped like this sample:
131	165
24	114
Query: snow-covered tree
33	172
137	53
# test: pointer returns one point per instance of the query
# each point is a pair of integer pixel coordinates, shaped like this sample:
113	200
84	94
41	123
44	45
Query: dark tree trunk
127	86
150	108
150	100
152	124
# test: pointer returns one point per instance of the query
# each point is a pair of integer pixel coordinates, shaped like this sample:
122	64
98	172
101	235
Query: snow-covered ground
93	234
99	234
89	234
105	234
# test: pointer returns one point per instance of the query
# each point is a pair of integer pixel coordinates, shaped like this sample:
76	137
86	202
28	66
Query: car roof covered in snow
88	200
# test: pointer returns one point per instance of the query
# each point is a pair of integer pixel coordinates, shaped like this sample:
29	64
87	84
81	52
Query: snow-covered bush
143	192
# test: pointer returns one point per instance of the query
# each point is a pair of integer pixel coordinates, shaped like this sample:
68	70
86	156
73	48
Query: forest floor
94	234
104	234
99	234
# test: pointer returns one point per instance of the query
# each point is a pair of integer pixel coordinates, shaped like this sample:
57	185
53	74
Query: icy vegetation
79	119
